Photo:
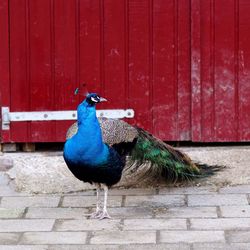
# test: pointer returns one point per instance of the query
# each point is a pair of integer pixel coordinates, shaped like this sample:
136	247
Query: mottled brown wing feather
114	131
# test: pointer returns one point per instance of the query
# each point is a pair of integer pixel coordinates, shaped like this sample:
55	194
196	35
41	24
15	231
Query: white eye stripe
93	99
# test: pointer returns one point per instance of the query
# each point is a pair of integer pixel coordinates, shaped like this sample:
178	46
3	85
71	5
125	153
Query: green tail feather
167	161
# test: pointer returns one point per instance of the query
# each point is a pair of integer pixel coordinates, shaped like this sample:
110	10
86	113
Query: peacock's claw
96	214
104	215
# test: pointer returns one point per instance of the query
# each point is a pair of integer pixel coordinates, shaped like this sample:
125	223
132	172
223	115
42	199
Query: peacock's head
92	99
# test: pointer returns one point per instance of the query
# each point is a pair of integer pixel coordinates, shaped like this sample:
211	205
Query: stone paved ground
188	218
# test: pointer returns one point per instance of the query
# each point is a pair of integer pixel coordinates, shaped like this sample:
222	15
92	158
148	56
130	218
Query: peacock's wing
114	131
72	130
149	158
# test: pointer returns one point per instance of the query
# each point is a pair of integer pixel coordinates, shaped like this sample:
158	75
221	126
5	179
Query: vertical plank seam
9	63
236	69
52	59
176	73
174	67
9	52
200	75
27	38
212	64
126	52
77	44
202	136
52	49
190	71
151	44
102	47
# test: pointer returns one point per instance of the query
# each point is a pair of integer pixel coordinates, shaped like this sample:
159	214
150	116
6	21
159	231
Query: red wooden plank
126	55
19	57
164	70
139	61
236	69
4	63
114	54
41	56
183	66
65	60
195	70
225	122
90	44
214	109
244	70
207	69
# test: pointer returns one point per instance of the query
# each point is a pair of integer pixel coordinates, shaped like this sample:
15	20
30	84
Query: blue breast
86	146
88	158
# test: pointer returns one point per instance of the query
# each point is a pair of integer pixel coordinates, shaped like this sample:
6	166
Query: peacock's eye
95	98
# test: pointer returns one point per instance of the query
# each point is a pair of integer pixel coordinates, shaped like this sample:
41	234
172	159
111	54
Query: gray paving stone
133	191
188	190
155	200
130	212
57	213
87	225
218	246
187	212
4	179
155	224
9	238
242	189
33	201
6	190
191	236
54	238
123	247
123	237
83	247
6	213
155	247
217	200
82	193
240	236
220	224
235	211
139	229
24	247
240	246
89	201
22	225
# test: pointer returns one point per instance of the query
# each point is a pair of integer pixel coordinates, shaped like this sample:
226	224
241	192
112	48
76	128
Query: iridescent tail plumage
166	161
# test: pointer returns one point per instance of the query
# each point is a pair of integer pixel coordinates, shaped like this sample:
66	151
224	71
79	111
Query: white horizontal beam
8	116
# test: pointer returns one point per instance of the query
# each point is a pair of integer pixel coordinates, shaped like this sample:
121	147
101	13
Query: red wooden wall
220	70
182	65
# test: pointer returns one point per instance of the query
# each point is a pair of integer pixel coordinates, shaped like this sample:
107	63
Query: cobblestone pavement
188	218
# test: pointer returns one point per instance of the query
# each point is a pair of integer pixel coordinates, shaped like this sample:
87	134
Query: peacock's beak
103	99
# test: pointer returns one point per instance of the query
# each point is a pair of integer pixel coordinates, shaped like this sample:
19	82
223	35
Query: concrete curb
46	172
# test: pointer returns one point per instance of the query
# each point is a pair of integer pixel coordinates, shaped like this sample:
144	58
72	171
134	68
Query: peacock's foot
96	214
104	215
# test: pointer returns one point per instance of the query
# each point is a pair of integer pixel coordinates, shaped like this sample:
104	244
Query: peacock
97	151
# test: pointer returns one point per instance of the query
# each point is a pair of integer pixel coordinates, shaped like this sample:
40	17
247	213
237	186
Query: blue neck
87	146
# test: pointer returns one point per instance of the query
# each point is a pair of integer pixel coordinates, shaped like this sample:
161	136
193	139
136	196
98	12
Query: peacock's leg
104	213
98	211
